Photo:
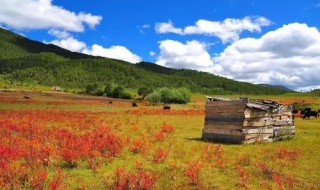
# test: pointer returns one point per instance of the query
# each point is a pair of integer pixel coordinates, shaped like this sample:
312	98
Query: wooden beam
223	131
228	126
258	130
258	122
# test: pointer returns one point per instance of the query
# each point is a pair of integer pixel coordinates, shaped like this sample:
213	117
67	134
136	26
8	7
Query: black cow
134	104
166	107
307	109
26	97
308	114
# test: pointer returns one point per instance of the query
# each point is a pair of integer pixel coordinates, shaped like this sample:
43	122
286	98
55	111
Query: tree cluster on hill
23	62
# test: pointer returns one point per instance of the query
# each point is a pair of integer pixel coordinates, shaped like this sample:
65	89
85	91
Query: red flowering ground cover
140	148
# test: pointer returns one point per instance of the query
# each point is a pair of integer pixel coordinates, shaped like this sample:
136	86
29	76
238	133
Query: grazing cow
26	97
308	114
307	109
166	107
134	104
110	102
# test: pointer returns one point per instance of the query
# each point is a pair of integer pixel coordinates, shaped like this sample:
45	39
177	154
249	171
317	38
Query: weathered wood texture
223	138
235	122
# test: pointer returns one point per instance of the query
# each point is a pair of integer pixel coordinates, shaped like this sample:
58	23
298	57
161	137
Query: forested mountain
278	86
25	61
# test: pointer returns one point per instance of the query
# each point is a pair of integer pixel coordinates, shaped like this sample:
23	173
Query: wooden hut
246	121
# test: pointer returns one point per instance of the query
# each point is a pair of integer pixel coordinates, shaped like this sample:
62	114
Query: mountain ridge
25	61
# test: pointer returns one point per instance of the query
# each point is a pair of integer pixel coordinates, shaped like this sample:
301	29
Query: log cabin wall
244	121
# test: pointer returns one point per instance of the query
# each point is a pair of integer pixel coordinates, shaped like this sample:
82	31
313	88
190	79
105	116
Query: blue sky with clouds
258	41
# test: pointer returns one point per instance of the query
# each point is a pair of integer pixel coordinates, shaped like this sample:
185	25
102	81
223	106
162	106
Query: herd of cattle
306	113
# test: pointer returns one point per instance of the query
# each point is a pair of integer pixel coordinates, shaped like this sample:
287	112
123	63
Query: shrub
166	95
125	95
154	98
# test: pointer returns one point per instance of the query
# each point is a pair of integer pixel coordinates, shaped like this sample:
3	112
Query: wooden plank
223	120
283	122
225	107
226	103
223	131
277	128
229	126
258	130
258	122
210	122
225	115
261	136
222	138
253	140
253	113
222	110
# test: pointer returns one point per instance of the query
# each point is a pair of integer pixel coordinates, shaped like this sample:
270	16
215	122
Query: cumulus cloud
70	44
288	56
227	30
192	55
168	27
42	14
59	33
115	52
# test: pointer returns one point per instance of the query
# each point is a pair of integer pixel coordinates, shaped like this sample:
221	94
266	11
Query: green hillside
24	61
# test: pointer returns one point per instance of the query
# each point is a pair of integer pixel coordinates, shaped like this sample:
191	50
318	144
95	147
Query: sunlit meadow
68	142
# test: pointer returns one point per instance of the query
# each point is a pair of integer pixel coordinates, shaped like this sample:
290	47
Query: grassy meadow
61	141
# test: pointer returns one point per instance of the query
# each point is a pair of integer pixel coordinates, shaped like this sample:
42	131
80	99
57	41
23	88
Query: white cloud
58	33
42	14
145	26
192	55
288	56
115	52
227	30
168	27
142	28
70	43
151	53
90	19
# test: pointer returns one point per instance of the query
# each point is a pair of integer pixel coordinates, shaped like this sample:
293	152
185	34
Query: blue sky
258	41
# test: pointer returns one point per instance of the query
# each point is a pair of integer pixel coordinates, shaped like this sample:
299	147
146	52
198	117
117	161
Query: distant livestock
26	97
309	114
134	104
166	107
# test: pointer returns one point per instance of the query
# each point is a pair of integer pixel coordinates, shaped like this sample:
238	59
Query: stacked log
224	120
244	121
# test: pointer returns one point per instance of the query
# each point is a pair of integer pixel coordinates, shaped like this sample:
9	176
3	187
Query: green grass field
150	156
